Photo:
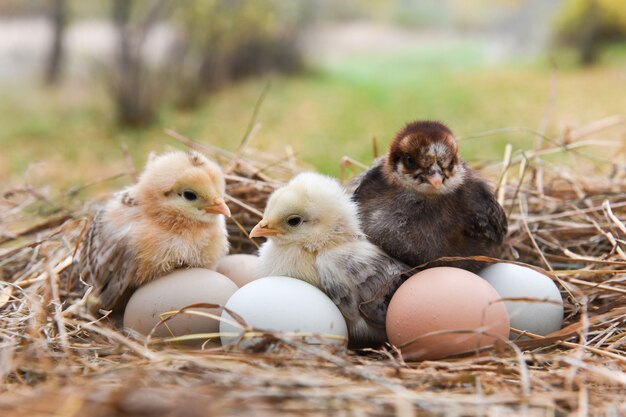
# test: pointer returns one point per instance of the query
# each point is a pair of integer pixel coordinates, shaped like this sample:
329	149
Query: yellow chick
314	235
173	217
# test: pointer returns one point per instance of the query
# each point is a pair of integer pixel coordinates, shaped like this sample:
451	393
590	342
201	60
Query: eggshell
173	292
241	269
513	281
434	303
284	304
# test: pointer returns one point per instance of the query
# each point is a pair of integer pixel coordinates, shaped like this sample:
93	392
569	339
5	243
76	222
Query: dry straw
56	359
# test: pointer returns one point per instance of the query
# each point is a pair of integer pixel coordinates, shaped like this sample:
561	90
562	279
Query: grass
332	111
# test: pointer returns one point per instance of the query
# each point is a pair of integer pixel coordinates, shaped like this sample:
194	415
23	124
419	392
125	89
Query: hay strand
57	359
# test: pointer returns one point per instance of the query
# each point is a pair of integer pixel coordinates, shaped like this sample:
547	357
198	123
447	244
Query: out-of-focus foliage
411	13
80	9
135	91
226	40
216	42
588	25
18	8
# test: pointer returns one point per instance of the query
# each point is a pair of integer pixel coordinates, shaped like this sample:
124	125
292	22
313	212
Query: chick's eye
294	221
189	195
409	162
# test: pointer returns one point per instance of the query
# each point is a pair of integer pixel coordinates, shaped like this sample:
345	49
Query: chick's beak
262	229
218	207
435	179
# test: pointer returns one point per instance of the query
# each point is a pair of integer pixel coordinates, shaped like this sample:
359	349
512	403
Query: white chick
173	217
314	235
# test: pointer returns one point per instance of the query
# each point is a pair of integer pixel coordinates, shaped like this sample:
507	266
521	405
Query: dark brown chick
421	202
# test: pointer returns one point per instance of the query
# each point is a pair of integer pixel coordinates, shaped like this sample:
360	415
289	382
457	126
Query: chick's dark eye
189	195
294	221
409	162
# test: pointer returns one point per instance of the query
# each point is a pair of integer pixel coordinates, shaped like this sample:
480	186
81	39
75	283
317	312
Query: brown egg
173	292
241	269
444	310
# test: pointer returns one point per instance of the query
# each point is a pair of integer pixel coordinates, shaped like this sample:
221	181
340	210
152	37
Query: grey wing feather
340	293
378	282
106	265
374	280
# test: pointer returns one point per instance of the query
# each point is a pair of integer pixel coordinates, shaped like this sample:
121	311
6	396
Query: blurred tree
588	25
136	102
226	40
58	17
216	42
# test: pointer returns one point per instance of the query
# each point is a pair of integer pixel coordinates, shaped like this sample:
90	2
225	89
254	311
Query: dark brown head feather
420	151
420	135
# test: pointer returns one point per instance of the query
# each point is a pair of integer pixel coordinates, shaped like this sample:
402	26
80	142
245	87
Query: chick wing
107	264
360	279
487	220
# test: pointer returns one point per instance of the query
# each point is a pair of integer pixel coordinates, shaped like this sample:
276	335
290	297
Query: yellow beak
262	230
218	207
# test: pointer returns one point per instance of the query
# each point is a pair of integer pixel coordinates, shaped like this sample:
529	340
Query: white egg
513	281
240	268
173	292
283	304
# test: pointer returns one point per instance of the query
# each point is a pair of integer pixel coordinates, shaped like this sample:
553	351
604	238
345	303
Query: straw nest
56	359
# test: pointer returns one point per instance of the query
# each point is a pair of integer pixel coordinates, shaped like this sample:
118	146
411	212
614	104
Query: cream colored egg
240	268
173	292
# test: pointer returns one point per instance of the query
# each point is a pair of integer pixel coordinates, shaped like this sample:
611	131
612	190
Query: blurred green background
80	80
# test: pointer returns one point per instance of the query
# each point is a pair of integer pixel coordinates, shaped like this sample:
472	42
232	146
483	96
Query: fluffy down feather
172	218
314	235
421	201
